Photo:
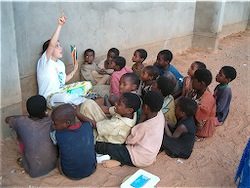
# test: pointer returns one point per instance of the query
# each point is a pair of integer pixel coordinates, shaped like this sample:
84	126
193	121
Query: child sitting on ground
164	67
116	129
206	104
104	65
38	154
118	65
187	82
139	56
103	73
223	93
144	141
178	140
89	66
148	76
77	157
165	86
129	82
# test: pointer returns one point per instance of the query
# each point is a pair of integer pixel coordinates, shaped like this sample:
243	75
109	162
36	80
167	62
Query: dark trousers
117	152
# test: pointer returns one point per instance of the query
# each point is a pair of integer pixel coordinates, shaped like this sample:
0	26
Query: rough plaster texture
101	25
10	80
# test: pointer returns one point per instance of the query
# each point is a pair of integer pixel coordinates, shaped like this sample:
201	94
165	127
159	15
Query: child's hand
62	19
102	71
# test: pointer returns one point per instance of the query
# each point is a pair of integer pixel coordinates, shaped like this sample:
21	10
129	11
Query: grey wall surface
10	80
154	26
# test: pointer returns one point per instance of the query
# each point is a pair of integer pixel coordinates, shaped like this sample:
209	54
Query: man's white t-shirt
50	75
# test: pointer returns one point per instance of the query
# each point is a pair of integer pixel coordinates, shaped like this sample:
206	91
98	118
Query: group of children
149	109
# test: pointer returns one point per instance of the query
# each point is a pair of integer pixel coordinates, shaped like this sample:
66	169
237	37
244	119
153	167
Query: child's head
63	116
185	107
57	53
226	75
113	52
194	66
153	100
149	73
129	82
89	56
164	85
117	63
36	106
201	79
164	57
128	103
139	56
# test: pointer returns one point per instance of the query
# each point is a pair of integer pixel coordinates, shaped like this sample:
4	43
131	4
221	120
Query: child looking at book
187	82
144	141
206	104
223	93
38	154
77	157
117	128
118	64
139	56
165	86
178	140
148	76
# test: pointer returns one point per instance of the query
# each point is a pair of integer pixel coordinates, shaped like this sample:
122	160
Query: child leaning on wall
223	93
38	154
77	157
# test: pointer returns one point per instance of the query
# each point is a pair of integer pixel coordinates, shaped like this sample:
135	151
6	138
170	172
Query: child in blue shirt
77	157
223	93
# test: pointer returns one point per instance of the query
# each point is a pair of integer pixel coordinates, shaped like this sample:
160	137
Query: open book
73	53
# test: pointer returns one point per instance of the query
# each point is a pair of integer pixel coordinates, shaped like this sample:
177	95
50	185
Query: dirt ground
213	162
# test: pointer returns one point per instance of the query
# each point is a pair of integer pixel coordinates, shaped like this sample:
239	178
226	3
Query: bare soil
213	162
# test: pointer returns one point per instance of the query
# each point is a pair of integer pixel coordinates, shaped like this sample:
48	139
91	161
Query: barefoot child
223	93
77	157
206	104
39	155
178	140
139	56
144	142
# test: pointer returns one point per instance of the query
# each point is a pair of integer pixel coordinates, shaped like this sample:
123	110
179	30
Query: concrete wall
10	80
101	25
235	17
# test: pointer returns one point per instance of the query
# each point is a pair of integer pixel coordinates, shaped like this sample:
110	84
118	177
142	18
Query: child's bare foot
111	163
